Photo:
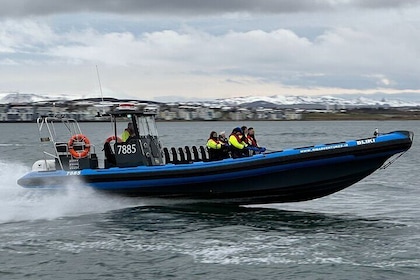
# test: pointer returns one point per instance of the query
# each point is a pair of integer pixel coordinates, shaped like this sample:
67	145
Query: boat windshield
147	126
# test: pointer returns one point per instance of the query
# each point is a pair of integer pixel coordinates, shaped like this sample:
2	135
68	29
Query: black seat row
185	155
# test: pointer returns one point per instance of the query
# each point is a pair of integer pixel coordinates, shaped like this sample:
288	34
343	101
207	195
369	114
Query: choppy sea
368	231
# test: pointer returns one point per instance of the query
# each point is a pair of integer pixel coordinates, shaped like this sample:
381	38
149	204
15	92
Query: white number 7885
127	149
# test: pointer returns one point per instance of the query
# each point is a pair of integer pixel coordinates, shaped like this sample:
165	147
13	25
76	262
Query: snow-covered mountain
346	101
16	98
319	100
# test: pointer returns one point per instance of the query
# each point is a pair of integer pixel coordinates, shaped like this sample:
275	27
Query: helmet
237	129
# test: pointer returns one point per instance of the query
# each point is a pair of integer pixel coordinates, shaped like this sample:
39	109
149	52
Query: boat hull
284	176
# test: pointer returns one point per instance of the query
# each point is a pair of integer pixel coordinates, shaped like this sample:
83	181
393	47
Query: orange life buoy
79	138
113	138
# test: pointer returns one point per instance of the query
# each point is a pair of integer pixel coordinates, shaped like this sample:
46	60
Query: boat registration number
127	149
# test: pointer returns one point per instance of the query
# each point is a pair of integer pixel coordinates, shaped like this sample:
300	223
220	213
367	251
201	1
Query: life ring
113	138
79	138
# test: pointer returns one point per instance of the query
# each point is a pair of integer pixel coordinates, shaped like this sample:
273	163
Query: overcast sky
209	49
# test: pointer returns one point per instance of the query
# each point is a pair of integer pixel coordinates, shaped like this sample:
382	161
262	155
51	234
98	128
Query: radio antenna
100	88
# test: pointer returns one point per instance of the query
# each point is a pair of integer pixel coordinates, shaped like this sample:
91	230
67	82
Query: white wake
20	204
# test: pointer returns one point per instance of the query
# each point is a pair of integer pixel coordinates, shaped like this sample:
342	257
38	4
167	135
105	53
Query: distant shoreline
305	117
361	116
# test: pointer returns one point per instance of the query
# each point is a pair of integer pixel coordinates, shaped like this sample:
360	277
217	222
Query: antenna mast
100	88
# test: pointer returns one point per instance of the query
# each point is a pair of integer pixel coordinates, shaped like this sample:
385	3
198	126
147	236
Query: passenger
251	137
217	149
214	146
128	133
244	132
252	142
237	144
213	141
222	137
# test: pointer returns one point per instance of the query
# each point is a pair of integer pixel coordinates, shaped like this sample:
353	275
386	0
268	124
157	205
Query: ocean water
368	231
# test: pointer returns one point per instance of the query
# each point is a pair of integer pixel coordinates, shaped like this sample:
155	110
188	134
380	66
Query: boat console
142	147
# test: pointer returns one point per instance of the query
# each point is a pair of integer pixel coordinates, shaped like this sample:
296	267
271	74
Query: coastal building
292	115
19	113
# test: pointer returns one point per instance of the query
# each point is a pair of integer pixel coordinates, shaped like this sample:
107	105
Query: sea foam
20	204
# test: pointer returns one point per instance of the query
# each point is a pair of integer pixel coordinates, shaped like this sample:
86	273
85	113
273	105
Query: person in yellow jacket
217	149
128	132
213	141
238	144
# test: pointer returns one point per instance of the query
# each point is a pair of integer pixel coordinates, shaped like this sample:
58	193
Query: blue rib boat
141	167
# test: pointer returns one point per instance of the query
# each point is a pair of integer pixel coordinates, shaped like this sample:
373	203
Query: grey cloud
20	8
165	7
374	4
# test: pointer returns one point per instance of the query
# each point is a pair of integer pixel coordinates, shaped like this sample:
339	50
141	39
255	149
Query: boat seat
203	152
214	154
181	155
188	155
174	155
93	161
109	155
166	155
195	153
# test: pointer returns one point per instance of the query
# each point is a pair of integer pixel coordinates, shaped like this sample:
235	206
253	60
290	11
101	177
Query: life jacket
236	141
213	144
252	141
125	135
